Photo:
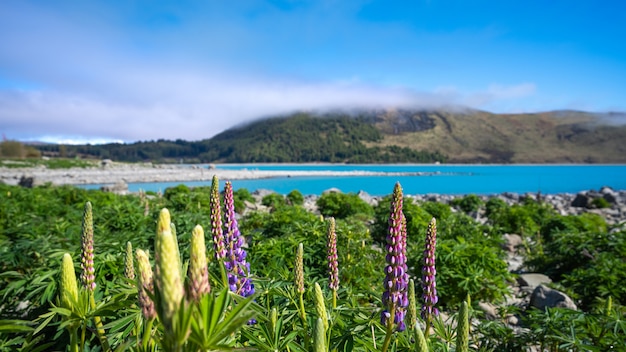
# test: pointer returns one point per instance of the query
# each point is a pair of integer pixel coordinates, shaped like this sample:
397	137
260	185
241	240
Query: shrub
438	210
468	203
295	197
342	205
600	203
494	205
273	200
465	267
240	196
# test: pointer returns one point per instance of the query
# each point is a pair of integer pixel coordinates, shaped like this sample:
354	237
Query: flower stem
99	327
390	326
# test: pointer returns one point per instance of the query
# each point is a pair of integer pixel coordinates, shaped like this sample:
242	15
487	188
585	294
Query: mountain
478	136
395	135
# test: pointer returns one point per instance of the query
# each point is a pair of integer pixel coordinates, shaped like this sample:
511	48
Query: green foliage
38	225
466	267
342	205
600	203
241	196
273	200
295	197
439	211
590	263
494	206
468	203
524	219
52	163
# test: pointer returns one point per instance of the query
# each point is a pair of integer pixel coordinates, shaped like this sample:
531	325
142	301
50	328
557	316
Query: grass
53	163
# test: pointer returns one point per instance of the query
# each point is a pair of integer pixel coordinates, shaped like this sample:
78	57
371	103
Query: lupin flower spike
216	220
462	329
429	272
237	268
299	269
395	297
145	285
320	306
129	266
198	272
69	287
333	265
411	314
319	336
167	277
88	275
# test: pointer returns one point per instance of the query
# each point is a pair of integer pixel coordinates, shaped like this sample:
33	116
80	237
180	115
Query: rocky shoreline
118	175
564	203
114	173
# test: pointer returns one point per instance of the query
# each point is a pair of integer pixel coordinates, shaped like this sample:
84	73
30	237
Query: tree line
298	138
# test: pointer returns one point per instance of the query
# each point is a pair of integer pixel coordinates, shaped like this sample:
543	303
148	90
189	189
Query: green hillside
303	137
392	135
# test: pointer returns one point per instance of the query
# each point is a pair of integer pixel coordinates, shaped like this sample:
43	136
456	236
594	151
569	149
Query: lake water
442	179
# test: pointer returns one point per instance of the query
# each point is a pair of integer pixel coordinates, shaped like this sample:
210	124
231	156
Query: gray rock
512	242
373	201
27	181
490	310
332	190
533	280
610	197
515	263
512	319
582	200
118	188
544	297
260	193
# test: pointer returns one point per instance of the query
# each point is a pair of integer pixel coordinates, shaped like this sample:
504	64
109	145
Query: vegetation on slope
387	136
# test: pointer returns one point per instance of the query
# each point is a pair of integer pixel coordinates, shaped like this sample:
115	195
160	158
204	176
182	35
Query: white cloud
99	77
495	95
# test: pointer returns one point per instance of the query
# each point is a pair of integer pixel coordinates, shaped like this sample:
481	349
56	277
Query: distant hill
394	135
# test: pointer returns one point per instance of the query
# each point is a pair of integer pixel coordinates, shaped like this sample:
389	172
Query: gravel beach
129	173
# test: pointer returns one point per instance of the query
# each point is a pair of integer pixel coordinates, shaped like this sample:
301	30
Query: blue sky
141	70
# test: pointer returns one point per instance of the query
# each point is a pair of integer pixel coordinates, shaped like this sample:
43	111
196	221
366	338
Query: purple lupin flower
216	220
395	297
333	264
429	286
237	268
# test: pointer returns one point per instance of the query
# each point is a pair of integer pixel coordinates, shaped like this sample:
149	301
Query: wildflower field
186	271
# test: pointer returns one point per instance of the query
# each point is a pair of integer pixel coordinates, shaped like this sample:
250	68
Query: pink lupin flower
429	286
88	275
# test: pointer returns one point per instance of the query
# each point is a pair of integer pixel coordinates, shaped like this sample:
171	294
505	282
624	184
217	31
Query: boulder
373	201
332	190
610	196
544	297
582	200
118	188
27	181
512	242
260	193
490	310
533	280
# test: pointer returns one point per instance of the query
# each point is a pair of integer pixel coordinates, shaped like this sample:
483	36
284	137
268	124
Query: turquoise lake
442	179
